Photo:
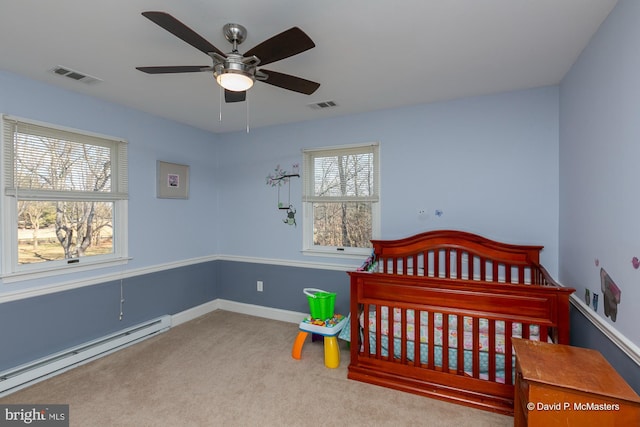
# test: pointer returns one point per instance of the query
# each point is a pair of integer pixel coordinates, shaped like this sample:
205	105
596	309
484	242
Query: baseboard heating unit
38	370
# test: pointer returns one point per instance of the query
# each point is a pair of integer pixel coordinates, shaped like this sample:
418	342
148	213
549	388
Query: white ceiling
369	54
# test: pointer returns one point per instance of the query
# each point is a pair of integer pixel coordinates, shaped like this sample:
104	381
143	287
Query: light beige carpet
229	369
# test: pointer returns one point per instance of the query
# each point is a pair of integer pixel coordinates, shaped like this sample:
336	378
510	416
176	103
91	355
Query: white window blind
341	174
42	161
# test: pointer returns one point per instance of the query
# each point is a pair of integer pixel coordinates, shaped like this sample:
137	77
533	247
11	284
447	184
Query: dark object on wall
611	293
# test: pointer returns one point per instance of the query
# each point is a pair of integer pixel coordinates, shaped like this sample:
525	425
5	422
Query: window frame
11	269
308	247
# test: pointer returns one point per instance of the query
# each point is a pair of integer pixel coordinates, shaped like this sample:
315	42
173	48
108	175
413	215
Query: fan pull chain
247	106
220	106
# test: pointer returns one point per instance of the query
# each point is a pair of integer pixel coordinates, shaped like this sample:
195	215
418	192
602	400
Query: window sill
360	254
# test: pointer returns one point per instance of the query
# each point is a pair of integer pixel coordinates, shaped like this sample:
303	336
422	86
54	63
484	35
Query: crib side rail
546	308
473	346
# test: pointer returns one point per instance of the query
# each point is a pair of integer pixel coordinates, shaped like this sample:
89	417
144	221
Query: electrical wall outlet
259	286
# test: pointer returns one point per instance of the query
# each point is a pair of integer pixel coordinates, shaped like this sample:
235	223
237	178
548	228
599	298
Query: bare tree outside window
67	189
344	189
78	228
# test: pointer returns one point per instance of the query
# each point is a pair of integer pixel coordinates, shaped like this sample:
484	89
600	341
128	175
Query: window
64	200
341	199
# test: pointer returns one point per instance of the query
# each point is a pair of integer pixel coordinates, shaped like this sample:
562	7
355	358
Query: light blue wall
599	153
489	163
160	230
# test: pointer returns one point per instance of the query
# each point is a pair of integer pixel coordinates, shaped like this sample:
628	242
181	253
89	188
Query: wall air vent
75	75
322	105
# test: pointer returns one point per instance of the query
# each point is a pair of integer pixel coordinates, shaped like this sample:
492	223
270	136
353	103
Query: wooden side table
330	332
560	385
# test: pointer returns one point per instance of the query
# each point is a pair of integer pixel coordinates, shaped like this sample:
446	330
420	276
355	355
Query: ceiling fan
234	71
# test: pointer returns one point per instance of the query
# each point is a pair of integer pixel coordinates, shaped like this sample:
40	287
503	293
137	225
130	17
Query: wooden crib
436	314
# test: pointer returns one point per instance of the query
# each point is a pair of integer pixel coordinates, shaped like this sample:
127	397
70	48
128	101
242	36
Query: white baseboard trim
237	307
261	311
194	312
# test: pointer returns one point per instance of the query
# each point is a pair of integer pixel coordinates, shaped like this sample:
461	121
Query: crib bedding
468	330
437	357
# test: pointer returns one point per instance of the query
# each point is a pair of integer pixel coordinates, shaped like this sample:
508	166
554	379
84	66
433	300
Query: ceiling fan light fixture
234	71
234	81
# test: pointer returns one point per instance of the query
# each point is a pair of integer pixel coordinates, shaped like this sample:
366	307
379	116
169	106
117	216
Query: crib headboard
453	254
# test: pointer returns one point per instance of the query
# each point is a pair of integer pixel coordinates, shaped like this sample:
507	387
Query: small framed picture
172	181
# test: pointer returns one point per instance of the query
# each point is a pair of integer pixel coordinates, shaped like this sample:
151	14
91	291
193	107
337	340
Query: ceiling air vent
74	75
322	105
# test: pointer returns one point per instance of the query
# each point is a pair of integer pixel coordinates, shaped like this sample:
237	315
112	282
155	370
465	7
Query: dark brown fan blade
289	82
231	96
181	31
281	46
174	69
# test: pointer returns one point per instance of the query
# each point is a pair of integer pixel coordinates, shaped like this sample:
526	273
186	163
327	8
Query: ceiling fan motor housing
235	63
235	33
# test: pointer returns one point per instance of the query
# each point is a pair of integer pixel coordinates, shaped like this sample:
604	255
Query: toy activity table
329	329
